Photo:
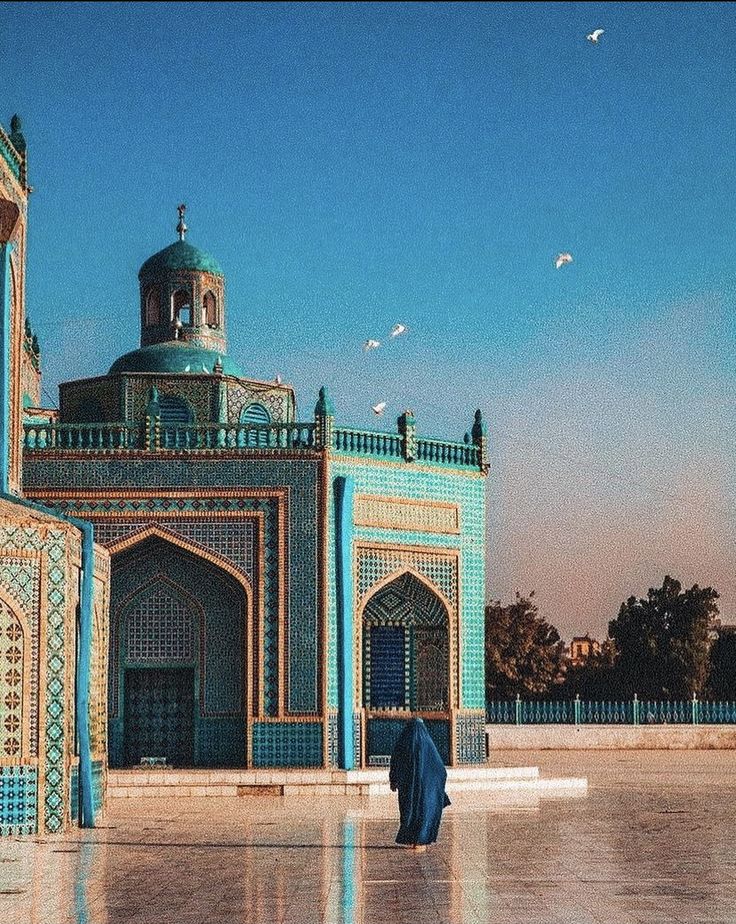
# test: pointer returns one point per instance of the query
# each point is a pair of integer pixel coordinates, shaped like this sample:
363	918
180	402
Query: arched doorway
178	665
405	664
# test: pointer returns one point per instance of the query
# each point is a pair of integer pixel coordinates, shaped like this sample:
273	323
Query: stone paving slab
650	842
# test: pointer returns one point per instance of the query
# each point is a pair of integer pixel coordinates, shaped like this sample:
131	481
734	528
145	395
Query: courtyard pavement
652	841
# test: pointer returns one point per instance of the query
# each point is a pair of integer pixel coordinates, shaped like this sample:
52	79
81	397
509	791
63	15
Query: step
172	783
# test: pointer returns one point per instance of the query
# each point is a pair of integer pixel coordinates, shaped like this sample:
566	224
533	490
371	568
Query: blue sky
354	166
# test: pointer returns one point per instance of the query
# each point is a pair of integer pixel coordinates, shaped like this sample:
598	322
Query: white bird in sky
378	409
371	345
562	258
278	378
594	36
398	329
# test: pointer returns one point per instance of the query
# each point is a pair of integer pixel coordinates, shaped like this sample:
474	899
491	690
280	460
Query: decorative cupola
183	296
182	313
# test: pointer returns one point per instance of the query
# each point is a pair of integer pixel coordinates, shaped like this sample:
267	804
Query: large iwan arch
179	631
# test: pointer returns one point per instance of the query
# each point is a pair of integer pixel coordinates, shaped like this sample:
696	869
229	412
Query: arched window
254	414
182	306
406	653
209	304
174	410
153	308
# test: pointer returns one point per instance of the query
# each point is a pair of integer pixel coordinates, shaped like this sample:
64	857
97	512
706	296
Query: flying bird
562	258
398	329
378	409
371	345
594	36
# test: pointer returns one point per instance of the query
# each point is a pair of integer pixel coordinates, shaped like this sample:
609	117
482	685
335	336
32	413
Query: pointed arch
406	660
395	575
209	308
191	639
160	532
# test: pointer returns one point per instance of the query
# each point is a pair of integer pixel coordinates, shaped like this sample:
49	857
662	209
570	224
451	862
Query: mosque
191	574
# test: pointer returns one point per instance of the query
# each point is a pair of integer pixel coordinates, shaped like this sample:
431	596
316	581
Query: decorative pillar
153	420
324	419
408	429
480	440
344	492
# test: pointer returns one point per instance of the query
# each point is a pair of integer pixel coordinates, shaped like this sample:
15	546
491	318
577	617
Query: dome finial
181	228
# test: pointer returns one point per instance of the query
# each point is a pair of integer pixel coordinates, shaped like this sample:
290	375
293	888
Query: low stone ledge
609	737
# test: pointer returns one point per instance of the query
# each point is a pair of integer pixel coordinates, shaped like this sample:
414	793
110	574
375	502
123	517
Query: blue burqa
417	771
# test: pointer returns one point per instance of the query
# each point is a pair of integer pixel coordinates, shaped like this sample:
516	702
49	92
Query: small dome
180	256
174	356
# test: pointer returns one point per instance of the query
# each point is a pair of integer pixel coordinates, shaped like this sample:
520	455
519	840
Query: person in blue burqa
418	773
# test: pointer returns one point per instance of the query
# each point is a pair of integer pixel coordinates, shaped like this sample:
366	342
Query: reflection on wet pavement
651	842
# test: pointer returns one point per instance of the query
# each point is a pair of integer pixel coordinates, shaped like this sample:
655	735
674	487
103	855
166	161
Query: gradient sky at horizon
357	165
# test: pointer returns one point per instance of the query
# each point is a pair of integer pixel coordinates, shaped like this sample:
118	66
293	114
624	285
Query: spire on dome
181	228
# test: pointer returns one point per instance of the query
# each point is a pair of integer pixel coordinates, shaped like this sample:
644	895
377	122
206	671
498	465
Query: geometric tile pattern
18	795
20	577
11	684
287	744
159	629
56	706
98	679
240	396
210	490
470	737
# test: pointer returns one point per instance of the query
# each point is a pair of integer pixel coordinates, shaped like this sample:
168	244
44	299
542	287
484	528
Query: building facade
283	592
53	584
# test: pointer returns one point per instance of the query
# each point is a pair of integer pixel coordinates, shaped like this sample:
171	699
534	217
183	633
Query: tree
662	641
595	678
523	652
722	681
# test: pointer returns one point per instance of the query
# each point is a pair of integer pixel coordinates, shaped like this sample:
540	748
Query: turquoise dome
173	356
180	256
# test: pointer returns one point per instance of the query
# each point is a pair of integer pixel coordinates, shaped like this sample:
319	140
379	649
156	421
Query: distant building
582	647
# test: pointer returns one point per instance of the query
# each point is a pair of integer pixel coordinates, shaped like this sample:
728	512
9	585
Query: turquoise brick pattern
18	800
292	744
410	481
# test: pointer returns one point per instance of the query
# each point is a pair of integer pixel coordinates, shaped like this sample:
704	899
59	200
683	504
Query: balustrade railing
155	435
368	442
611	712
108	436
446	453
237	436
83	436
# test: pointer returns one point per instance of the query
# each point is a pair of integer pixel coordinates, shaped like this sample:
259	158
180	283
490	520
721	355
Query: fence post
636	709
694	708
577	709
518	709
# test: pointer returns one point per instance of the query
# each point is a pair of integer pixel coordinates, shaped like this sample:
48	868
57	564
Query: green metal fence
610	712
